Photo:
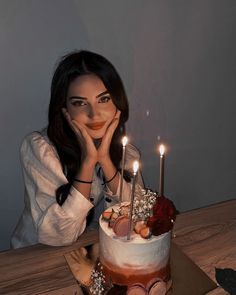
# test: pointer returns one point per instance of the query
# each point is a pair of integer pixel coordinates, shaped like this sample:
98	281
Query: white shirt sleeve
55	225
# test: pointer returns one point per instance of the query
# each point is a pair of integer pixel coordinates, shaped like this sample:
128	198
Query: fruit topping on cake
106	215
121	226
125	209
152	215
145	233
139	225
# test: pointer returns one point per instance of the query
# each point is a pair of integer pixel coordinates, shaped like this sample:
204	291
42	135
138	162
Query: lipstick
95	125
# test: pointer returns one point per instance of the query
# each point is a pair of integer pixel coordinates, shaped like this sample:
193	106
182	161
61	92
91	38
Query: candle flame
162	149
124	141
135	166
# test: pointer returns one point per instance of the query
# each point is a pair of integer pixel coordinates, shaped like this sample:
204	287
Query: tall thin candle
135	170
124	143
162	160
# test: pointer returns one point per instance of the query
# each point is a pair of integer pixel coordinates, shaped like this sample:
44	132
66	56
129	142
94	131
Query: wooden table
40	269
206	235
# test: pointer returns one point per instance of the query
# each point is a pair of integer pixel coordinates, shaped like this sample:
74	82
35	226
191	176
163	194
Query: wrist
91	162
111	179
105	161
85	171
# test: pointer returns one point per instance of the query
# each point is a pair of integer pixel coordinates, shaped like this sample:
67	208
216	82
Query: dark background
177	60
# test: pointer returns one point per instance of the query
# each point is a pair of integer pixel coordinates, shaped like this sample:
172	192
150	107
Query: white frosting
137	252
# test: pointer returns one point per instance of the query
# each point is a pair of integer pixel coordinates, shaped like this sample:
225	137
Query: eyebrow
101	94
84	98
77	97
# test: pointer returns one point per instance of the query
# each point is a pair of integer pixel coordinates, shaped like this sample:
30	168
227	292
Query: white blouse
43	220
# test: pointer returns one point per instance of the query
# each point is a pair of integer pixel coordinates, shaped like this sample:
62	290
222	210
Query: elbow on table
64	238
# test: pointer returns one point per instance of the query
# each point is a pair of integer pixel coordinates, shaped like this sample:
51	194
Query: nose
92	111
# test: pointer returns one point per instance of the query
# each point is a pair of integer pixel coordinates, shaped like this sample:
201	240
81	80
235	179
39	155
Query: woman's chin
96	134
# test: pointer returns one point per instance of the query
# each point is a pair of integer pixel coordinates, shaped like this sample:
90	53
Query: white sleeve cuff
108	192
76	205
114	198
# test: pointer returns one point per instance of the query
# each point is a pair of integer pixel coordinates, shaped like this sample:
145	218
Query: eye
104	99
78	103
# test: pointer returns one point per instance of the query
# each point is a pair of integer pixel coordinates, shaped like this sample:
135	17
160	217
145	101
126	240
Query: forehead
86	85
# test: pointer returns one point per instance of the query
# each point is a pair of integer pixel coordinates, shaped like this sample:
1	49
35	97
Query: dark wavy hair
68	69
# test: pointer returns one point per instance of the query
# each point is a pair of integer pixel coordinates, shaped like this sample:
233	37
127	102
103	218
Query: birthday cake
135	252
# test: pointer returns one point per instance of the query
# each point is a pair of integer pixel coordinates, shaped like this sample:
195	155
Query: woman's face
89	103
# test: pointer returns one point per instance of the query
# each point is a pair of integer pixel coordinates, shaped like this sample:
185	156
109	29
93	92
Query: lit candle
135	170
162	159
124	143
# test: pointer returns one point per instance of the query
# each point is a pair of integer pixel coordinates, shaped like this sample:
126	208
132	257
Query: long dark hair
69	68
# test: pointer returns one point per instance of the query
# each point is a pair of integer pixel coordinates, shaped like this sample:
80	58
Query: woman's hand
88	149
92	155
104	159
104	147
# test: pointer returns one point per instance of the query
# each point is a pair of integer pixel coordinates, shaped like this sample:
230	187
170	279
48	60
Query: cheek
111	111
75	114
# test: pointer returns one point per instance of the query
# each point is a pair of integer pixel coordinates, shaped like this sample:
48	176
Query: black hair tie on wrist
82	181
111	178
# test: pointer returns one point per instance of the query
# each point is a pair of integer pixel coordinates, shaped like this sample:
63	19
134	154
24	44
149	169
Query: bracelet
82	181
111	178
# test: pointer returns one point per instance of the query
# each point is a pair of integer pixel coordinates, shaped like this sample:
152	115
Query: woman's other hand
88	149
104	147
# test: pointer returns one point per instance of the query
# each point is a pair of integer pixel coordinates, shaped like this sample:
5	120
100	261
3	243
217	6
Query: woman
72	169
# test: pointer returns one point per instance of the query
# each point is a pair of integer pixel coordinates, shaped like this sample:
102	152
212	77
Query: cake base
184	273
122	290
128	276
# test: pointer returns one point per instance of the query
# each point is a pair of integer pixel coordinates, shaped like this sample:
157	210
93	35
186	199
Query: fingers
114	123
117	115
83	132
70	122
79	131
111	128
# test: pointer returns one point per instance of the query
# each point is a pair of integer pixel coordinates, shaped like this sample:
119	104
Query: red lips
95	125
